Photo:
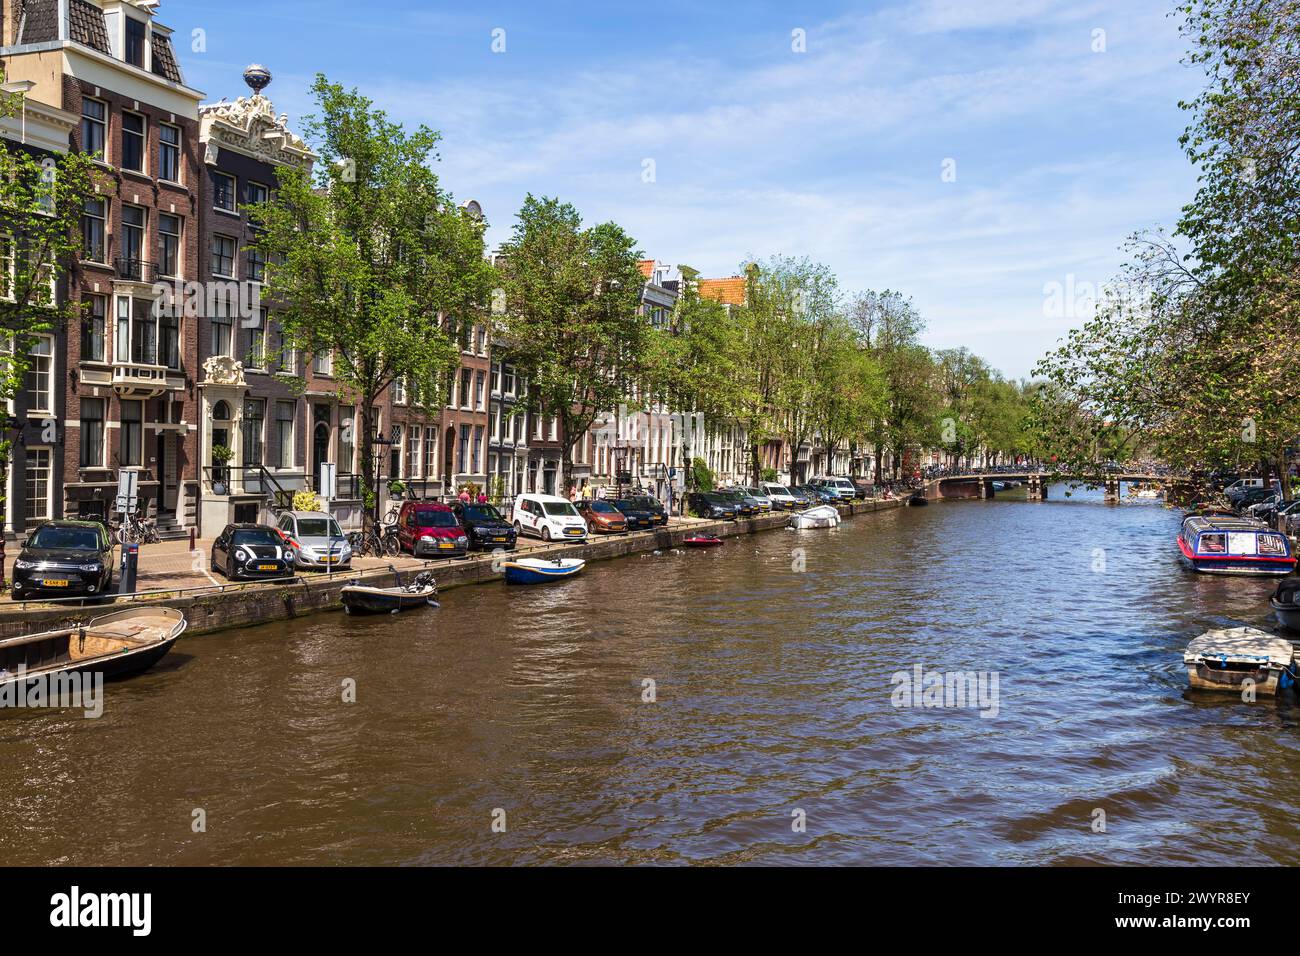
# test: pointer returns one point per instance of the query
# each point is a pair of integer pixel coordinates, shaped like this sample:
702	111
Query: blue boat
1223	544
539	571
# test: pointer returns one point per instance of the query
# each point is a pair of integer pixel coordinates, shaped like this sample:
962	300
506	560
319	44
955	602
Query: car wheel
519	531
546	533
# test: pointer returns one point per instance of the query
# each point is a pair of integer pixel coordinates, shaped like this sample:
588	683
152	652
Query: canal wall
244	605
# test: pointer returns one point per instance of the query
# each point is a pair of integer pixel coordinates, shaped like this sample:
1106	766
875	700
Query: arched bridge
1036	483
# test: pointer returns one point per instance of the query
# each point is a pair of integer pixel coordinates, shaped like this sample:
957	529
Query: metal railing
136	270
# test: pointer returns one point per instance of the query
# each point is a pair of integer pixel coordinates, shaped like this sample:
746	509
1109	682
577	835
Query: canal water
517	725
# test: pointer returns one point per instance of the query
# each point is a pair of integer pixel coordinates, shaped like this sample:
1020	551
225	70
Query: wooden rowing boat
363	599
539	571
122	642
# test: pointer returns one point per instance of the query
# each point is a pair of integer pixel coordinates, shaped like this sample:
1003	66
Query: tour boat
823	516
1286	602
360	598
1225	659
918	500
540	571
702	541
122	642
1217	544
1141	490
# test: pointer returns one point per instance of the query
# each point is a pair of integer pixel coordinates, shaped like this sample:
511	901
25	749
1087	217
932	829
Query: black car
485	527
1252	496
251	551
638	517
706	504
64	558
658	513
746	507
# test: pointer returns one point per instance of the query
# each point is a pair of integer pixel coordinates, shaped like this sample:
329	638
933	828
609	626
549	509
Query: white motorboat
1225	659
823	516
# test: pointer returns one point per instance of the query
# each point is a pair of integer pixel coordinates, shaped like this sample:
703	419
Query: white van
841	486
549	517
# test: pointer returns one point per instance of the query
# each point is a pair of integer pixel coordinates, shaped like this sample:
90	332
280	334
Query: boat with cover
1214	543
541	571
363	599
1286	602
114	644
1225	659
823	516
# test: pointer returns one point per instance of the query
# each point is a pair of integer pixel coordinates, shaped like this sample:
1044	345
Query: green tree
369	259
571	298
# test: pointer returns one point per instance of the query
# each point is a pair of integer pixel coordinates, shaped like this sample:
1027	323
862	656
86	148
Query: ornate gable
249	125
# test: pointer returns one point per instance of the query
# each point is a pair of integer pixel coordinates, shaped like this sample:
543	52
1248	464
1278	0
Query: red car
430	530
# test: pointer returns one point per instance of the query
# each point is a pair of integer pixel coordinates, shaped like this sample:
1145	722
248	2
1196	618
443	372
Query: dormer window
135	42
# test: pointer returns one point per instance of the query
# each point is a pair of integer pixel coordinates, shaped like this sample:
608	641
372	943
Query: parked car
1283	517
1250	497
485	527
549	517
658	513
780	495
427	529
251	551
64	558
707	504
315	540
637	516
819	493
602	517
764	502
804	496
842	487
862	488
746	507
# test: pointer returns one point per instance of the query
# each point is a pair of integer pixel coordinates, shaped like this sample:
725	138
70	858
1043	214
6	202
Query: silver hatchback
315	539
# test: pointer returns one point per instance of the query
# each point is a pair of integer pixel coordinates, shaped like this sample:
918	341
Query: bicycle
137	530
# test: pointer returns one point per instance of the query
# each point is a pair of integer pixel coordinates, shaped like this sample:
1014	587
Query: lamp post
8	423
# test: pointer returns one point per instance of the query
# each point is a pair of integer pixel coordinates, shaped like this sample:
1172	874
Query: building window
92	433
134	42
478	448
94	127
508	380
169	244
255	192
170	343
169	153
144	333
284	415
256	265
286	359
221	333
463	460
38	485
223	256
94	217
399	390
478	390
254	413
131	439
92	330
133	137
430	451
40	376
347	438
413	452
223	191
322	363
133	219
256	356
464	388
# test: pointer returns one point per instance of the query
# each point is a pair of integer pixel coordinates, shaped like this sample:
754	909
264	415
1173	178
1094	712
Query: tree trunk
368	460
756	465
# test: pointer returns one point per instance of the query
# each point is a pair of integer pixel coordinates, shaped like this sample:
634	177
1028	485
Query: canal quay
735	705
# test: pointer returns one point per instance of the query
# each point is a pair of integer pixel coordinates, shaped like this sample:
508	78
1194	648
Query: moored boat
115	644
1218	544
363	599
701	541
539	571
823	516
1225	659
1286	602
918	500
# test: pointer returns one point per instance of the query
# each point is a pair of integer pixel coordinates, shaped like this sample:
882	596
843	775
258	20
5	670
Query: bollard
130	559
193	537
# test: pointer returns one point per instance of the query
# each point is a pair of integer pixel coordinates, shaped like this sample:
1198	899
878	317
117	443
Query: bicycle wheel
392	545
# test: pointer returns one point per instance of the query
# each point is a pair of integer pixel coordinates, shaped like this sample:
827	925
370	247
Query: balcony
135	270
144	380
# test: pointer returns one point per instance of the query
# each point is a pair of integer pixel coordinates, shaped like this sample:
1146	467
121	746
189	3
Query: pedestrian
482	498
464	494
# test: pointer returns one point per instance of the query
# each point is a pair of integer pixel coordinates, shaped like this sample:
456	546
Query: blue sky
837	152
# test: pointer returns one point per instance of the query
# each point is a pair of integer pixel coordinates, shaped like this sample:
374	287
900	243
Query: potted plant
396	489
221	456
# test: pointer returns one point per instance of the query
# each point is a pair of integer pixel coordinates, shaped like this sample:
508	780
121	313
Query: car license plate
267	567
54	583
328	559
444	544
501	538
573	531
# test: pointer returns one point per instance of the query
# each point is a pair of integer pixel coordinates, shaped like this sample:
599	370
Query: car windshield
778	490
603	507
625	505
255	536
435	519
650	504
319	527
558	508
65	539
482	513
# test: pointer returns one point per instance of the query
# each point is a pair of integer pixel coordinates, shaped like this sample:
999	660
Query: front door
170	485
320	451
